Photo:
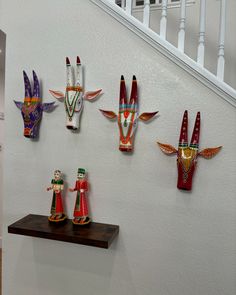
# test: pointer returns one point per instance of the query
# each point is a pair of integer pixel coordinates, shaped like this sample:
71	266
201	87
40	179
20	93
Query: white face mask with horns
74	95
128	115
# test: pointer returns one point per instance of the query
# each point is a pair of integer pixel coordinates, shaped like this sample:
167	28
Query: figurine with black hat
81	215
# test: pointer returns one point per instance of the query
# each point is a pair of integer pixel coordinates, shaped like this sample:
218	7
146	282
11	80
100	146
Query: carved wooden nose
27	132
126	114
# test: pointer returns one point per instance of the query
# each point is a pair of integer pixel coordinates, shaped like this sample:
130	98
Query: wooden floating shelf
94	234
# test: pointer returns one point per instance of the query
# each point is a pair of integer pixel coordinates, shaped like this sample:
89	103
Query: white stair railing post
129	6
146	13
221	46
123	4
181	34
202	30
163	19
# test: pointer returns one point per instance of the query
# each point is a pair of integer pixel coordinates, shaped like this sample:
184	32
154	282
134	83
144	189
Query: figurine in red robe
81	206
57	211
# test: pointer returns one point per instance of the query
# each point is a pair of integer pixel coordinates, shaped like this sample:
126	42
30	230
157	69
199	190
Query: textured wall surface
170	242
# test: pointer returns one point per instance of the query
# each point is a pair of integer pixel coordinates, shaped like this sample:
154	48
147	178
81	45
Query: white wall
211	37
2	81
1	90
170	242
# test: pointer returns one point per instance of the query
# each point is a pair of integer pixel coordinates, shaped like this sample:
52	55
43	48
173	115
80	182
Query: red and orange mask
128	115
187	154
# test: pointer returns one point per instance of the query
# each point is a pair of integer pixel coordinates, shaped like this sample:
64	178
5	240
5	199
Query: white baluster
146	13
129	6
123	4
221	48
163	19
202	30
181	34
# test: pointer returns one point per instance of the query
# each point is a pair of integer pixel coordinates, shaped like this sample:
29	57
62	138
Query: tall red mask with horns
187	154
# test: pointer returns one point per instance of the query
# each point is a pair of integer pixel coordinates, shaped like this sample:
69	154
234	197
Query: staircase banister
171	52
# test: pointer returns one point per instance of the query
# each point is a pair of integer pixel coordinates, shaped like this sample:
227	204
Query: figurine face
57	174
187	154
32	108
74	95
128	116
80	175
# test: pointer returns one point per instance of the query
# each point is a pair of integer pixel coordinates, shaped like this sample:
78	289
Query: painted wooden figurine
81	216
187	154
128	115
57	185
32	108
74	95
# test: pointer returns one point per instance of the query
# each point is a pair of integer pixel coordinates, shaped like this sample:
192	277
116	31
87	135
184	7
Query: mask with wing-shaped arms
128	115
74	95
32	108
187	154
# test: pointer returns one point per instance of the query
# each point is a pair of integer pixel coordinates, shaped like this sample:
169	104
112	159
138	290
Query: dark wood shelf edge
95	234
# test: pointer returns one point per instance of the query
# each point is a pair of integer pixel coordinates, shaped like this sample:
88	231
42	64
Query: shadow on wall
2	66
2	75
2	83
73	269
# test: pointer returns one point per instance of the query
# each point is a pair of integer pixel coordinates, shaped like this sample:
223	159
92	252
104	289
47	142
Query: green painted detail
133	114
70	104
81	170
194	146
60	181
183	145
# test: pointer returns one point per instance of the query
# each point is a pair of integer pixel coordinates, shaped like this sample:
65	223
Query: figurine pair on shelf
81	206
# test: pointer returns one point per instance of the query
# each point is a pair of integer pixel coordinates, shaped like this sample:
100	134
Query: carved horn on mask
27	85
79	73
69	73
123	96
183	137
196	132
134	92
36	92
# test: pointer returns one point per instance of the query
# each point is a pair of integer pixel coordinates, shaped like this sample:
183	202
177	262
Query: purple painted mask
32	108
